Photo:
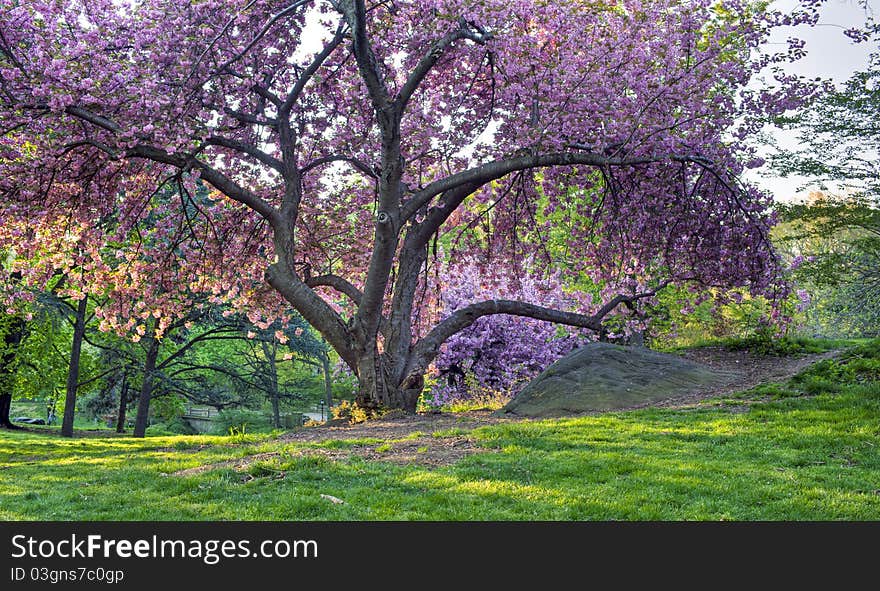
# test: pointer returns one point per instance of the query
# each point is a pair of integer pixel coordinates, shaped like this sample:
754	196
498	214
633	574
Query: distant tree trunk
143	411
5	405
123	404
79	329
328	383
274	394
276	410
11	341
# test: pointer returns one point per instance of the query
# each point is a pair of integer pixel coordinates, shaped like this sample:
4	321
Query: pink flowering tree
498	353
346	137
144	277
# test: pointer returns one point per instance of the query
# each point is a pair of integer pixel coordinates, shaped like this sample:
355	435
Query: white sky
830	55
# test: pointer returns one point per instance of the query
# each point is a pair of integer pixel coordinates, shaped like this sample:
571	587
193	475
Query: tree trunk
328	384
123	404
276	410
143	411
11	341
5	405
274	395
377	388
79	329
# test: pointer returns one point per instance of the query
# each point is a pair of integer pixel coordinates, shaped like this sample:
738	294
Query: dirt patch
397	426
750	370
423	451
430	439
239	464
439	439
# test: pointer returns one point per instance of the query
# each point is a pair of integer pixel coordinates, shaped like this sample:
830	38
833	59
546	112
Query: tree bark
123	404
328	383
276	410
5	405
79	329
378	389
143	411
11	341
274	395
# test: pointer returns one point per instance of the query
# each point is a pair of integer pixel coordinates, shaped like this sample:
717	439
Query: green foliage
836	245
764	341
240	421
43	358
175	426
838	135
838	237
481	399
682	318
168	408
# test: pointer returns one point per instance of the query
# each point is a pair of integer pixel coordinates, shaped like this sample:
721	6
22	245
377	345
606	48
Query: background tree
12	329
404	118
839	140
834	246
257	363
833	237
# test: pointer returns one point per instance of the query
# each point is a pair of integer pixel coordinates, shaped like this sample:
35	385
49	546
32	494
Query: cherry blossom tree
347	137
499	353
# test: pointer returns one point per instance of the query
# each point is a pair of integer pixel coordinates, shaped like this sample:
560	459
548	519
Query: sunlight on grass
349	443
451	432
813	454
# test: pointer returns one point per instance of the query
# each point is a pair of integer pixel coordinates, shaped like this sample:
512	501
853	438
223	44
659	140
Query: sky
830	55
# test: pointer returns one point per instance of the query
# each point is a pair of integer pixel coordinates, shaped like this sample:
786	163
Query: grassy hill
806	449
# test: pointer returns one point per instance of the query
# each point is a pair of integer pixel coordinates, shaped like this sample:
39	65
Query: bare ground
438	439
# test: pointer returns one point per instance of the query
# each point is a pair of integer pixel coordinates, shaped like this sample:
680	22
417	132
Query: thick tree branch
244	148
303	79
338	283
429	60
480	175
250	118
346	288
220	181
355	13
427	348
357	164
456	188
93	118
315	310
264	93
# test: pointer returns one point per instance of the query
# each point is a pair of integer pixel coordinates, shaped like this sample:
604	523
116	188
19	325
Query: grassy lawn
808	449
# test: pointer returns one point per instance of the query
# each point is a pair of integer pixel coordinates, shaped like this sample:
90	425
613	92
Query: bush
767	343
239	421
176	426
351	411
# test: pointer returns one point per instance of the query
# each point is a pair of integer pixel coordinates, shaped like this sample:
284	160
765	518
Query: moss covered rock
602	377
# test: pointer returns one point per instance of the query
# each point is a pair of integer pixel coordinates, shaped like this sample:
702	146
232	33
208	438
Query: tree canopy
341	139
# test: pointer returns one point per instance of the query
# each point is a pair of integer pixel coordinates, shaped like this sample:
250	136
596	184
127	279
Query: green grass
770	345
808	449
